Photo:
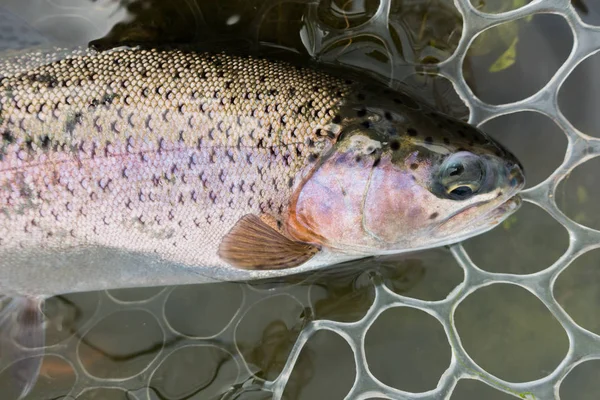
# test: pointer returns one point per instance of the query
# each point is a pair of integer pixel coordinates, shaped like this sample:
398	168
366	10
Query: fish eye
462	175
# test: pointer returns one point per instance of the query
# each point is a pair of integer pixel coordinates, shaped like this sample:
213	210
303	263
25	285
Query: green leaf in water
580	217
582	194
510	221
378	55
507	58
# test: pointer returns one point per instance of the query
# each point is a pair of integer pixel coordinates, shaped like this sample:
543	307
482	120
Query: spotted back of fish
153	150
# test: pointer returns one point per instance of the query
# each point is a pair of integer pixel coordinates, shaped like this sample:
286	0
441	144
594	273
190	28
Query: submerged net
229	363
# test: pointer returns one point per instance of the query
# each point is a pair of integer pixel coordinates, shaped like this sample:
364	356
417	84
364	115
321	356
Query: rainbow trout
138	167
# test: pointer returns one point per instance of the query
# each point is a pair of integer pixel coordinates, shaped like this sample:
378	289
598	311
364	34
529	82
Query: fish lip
502	210
513	202
509	206
457	213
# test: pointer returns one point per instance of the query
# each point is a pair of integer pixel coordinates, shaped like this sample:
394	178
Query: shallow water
223	340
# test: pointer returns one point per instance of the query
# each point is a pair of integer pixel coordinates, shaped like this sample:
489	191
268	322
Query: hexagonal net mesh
583	345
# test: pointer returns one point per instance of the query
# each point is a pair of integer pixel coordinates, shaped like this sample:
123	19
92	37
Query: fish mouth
493	217
499	213
508	207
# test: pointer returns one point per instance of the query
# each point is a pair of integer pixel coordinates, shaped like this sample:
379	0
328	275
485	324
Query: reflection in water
122	341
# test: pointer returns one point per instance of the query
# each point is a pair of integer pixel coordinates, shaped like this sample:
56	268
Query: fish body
157	154
140	167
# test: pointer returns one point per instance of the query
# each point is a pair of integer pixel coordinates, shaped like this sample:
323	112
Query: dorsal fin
252	244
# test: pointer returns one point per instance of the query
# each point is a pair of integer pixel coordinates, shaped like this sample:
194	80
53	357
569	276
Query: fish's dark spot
358	159
292	92
394	145
434	215
414	166
446	140
108	99
262	78
429	140
411	132
8	137
376	162
362	112
337	119
290	182
312	157
73	121
366	124
45	142
499	193
388	116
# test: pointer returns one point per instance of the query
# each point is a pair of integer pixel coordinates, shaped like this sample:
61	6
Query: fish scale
175	146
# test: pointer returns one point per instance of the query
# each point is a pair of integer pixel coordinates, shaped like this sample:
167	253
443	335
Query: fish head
402	178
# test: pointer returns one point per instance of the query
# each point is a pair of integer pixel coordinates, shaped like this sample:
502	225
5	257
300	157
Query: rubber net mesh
583	345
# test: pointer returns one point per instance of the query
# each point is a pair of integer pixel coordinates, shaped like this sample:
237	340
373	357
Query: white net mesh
224	357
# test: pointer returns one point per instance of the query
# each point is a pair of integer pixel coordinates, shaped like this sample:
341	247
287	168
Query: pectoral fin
253	244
